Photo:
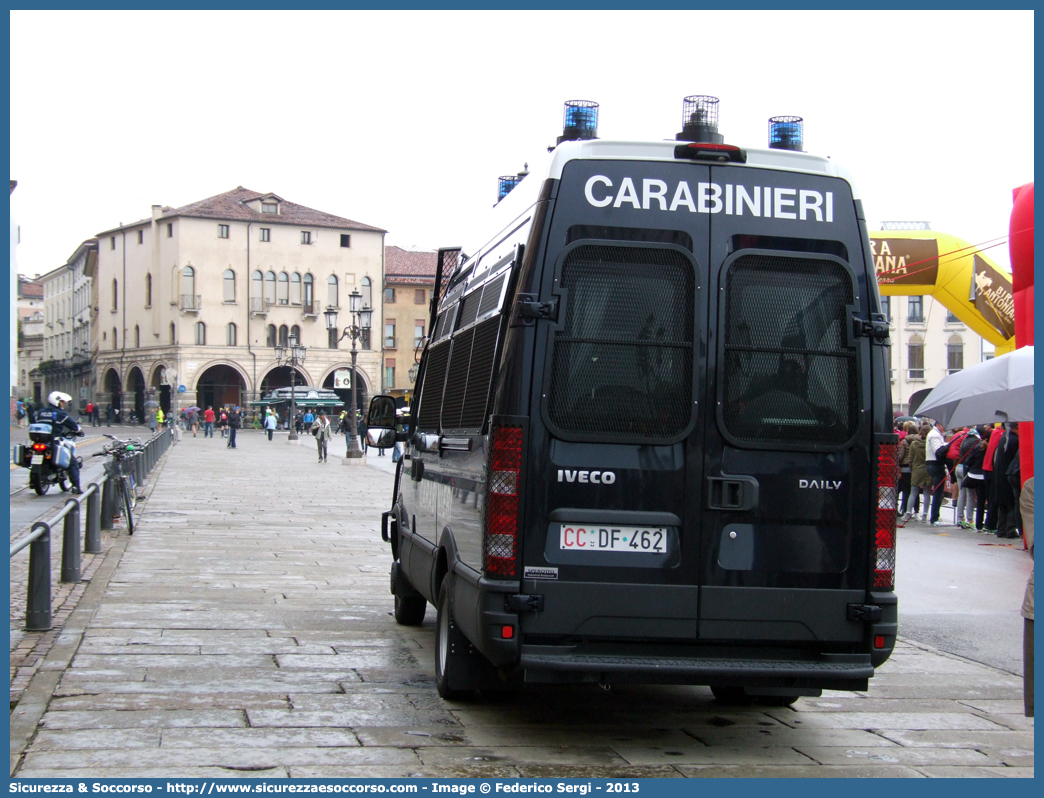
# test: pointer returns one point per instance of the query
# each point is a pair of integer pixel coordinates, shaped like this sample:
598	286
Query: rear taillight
500	543
887	508
39	447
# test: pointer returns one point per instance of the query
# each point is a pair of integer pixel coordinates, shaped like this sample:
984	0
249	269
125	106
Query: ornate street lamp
293	356
360	325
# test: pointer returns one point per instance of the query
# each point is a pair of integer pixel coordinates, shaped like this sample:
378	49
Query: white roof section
551	165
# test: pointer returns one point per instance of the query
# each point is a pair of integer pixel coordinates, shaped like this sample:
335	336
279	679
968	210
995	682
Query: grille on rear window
431	390
622	366
469	308
491	296
788	374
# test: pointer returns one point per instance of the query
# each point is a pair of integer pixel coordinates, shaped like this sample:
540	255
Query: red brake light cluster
500	541
39	447
710	151
887	508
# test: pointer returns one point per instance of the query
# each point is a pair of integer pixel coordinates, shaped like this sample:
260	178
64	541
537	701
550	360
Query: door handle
735	493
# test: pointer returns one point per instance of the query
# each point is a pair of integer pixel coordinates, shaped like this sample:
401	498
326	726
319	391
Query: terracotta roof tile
232	206
399	262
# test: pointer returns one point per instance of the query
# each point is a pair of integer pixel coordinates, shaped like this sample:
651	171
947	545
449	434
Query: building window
295	289
389	295
256	283
915	309
283	335
137	337
331	291
283	292
269	207
418	333
295	331
951	318
270	335
114	346
201	334
364	341
389	372
270	288
886	307
115	294
346	240
309	296
170	230
141	236
222	231
418	296
173	333
188	287
306	237
230	334
915	358
230	285
954	354
148	290
112	242
389	334
367	292
266	234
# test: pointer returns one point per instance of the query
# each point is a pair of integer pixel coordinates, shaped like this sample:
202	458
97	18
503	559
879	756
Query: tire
125	493
63	484
410	611
38	483
445	630
777	700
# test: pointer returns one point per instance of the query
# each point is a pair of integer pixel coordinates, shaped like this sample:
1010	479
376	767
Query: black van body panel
758	557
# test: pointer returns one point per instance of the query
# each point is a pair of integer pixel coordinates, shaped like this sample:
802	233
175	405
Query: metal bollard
71	543
108	495
38	600
92	532
139	466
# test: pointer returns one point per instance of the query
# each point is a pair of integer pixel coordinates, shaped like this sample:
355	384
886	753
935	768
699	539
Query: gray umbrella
151	403
997	390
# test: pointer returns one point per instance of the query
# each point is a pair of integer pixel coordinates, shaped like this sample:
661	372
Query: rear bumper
828	671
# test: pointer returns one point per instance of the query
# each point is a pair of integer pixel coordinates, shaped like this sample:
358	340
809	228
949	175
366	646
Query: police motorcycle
50	455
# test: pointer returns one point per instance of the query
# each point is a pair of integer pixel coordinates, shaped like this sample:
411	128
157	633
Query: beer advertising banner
905	261
992	296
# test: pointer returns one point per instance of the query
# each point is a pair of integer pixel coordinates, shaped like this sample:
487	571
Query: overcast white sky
404	120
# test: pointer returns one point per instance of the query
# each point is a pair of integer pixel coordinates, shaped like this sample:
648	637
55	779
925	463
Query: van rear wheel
409	611
447	636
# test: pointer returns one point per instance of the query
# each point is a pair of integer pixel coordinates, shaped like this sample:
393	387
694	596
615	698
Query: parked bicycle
120	452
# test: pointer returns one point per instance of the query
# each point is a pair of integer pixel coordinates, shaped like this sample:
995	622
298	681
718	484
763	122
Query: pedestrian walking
974	478
935	444
967	497
90	412
208	422
110	413
1005	465
223	422
920	481
96	415
321	429
270	424
152	422
903	456
234	421
994	438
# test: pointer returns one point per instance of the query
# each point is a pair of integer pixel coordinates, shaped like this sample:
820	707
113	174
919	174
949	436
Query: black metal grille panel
469	308
480	375
456	380
789	374
622	366
431	390
491	296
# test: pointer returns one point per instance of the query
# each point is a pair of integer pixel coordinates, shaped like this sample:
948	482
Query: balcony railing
258	306
191	303
389	342
310	308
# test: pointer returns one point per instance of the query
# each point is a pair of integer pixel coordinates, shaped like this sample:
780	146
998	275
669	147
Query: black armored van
651	433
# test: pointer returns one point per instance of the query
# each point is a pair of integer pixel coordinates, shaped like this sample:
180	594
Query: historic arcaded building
190	304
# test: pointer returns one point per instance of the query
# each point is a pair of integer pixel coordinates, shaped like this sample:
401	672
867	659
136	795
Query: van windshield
622	365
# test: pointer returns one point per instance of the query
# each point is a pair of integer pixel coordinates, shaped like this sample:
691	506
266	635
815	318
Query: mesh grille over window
456	380
622	366
480	374
788	373
431	390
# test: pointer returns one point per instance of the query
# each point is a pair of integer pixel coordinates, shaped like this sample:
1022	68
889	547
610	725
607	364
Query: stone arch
136	387
113	387
363	389
157	384
277	376
219	383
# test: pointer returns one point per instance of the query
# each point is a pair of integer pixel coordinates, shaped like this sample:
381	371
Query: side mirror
381	413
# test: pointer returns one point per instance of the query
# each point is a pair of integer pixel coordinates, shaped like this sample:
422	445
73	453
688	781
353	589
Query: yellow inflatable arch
956	273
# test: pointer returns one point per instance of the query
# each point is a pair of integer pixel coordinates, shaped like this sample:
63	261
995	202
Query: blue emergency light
507	183
579	121
786	133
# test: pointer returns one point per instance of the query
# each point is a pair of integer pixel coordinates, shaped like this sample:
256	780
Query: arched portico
220	384
158	383
279	377
136	385
362	386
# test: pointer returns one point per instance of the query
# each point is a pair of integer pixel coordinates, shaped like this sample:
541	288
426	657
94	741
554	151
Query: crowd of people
976	468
